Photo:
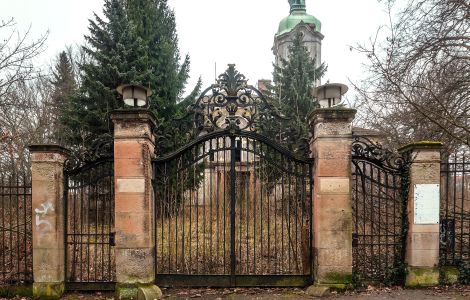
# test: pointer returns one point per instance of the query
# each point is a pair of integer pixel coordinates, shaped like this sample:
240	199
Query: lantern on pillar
330	94
135	96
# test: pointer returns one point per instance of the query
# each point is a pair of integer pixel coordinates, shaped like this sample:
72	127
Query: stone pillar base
138	291
48	290
422	277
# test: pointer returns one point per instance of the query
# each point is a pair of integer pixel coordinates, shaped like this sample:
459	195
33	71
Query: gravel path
451	293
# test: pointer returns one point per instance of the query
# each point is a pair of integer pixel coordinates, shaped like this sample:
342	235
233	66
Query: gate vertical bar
232	210
48	215
422	248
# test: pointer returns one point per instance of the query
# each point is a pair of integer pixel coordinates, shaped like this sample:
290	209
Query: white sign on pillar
426	204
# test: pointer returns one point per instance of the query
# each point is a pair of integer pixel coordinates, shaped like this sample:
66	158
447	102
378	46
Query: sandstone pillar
422	243
332	208
47	167
134	145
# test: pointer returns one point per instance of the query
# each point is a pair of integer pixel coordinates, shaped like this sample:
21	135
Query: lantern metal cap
124	86
330	90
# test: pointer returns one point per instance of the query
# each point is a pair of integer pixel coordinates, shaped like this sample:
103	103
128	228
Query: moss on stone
422	277
48	290
449	275
10	291
126	291
338	278
338	287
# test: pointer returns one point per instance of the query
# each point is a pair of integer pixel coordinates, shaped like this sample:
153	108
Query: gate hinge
112	238
355	239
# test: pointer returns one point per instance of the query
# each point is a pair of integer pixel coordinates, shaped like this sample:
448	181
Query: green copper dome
298	13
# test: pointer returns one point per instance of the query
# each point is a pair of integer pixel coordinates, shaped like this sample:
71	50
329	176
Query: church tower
298	21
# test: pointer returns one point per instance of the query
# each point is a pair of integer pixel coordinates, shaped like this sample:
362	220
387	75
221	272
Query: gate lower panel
237	280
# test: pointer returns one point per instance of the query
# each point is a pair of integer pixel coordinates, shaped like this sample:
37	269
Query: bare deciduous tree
16	56
23	116
418	83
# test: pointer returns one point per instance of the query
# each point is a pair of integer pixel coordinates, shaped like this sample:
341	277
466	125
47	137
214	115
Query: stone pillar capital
333	122
134	124
332	114
48	153
423	151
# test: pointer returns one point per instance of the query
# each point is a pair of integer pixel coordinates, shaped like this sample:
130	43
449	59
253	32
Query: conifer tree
294	79
63	87
135	42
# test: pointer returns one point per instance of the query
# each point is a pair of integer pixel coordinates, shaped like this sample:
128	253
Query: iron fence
455	210
89	223
16	259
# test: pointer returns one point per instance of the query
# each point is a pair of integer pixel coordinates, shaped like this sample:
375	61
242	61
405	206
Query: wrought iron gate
233	205
455	211
89	226
380	192
16	259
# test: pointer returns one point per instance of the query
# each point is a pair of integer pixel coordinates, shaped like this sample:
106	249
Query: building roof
298	14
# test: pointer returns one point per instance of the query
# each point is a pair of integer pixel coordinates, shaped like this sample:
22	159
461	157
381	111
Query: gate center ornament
231	104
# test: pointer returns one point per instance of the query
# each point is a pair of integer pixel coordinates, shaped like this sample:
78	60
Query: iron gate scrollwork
89	223
232	207
380	192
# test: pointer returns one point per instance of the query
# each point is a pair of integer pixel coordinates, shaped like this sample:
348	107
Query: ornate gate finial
231	103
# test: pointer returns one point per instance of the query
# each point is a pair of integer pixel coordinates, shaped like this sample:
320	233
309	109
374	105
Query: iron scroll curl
230	104
364	148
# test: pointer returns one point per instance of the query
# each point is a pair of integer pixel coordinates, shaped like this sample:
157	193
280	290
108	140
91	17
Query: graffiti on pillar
41	213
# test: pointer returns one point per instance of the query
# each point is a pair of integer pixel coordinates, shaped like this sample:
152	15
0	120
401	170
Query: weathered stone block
128	167
425	173
318	291
48	290
333	202
332	220
424	241
149	292
422	258
422	276
333	239
433	228
335	257
130	185
339	167
128	149
135	265
334	185
136	203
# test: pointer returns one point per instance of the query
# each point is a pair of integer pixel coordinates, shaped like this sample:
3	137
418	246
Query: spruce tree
135	43
63	87
294	79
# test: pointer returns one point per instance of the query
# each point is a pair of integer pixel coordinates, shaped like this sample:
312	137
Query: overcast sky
219	31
